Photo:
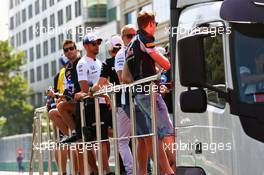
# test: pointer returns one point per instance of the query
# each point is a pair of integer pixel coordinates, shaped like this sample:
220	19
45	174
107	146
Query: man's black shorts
106	120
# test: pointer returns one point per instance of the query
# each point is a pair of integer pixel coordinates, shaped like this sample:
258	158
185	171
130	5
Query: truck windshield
248	52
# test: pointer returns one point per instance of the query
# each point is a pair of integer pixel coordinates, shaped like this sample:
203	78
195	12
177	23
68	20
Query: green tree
2	123
14	90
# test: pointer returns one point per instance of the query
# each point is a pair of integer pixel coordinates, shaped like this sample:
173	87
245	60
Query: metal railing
37	132
36	140
38	143
113	91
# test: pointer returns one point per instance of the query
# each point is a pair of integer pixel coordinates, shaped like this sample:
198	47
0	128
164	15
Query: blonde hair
126	28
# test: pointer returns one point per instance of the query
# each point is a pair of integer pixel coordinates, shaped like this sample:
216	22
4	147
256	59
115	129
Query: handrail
117	88
37	136
124	86
113	90
42	109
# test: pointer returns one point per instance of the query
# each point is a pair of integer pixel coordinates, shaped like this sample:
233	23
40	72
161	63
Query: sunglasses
130	36
94	43
68	49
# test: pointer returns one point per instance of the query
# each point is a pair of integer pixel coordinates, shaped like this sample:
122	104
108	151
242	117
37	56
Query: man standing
141	61
88	70
108	74
20	158
128	32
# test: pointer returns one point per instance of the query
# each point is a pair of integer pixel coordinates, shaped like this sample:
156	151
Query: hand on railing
68	95
163	89
79	96
50	92
103	88
107	101
50	101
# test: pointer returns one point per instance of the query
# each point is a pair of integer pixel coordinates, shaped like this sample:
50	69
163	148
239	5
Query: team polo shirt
108	71
138	58
89	69
71	77
120	60
140	63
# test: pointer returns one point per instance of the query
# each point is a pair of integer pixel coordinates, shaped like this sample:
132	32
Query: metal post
59	152
49	150
153	100
31	170
132	114
40	143
85	155
133	131
71	156
117	166
53	132
98	135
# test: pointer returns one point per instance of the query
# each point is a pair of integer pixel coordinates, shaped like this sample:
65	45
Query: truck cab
218	53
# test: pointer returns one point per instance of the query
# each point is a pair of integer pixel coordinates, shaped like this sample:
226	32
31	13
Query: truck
217	52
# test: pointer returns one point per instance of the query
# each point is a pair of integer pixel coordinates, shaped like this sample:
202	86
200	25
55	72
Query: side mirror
193	101
191	61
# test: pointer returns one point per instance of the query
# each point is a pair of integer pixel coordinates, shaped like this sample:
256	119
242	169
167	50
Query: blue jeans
141	123
164	124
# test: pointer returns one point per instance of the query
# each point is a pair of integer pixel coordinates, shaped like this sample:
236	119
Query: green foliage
2	123
14	91
9	61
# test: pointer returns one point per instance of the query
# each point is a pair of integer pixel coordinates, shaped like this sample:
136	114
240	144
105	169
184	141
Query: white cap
115	42
90	37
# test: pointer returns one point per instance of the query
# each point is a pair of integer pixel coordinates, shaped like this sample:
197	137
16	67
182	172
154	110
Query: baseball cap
90	37
63	60
115	42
